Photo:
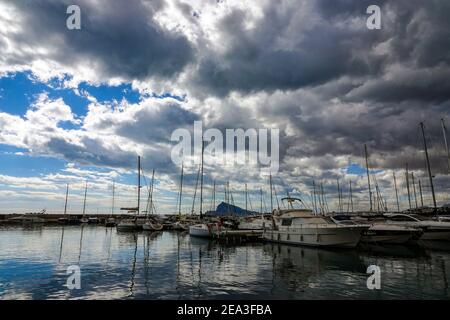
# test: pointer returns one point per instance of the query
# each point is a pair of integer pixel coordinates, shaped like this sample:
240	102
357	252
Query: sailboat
180	224
84	219
200	229
132	224
64	220
151	225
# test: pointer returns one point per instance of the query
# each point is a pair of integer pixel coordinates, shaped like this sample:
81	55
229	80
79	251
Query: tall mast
276	197
368	176
351	195
112	207
67	195
396	192
414	189
201	182
407	186
151	192
261	200
181	189
444	132
214	197
428	165
195	190
246	198
324	200
314	195
339	196
84	201
271	198
421	195
227	196
139	186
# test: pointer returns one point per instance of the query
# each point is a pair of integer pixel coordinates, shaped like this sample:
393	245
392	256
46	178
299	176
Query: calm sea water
170	265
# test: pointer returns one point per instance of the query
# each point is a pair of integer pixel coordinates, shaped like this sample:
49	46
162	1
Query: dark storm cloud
156	125
117	38
416	34
330	84
92	151
254	62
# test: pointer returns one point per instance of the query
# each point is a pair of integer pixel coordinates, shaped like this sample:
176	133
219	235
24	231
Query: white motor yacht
302	227
432	229
381	232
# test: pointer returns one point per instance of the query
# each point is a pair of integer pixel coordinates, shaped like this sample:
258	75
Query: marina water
172	265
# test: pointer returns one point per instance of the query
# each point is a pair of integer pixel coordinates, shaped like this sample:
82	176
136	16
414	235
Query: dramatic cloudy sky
79	105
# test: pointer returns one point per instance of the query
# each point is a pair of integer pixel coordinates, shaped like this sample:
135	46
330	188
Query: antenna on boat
428	164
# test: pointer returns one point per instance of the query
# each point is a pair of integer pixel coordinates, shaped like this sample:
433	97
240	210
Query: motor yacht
432	229
303	227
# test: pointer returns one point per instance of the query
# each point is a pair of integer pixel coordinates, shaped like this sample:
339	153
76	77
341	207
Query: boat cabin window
286	222
312	220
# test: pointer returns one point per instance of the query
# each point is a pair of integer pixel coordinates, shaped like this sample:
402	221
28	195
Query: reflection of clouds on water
168	265
414	277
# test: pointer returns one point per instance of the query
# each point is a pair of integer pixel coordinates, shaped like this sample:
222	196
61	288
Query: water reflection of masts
61	244
146	261
82	226
81	243
62	232
133	269
199	272
178	267
109	243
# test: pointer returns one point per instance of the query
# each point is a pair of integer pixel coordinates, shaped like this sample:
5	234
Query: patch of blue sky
105	93
15	162
354	168
18	91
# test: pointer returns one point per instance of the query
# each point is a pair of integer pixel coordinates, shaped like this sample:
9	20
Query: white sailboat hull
199	230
